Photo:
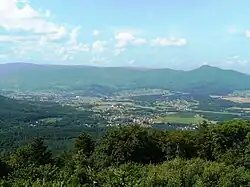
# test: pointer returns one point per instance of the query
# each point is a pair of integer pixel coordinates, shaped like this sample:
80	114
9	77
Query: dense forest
21	121
212	155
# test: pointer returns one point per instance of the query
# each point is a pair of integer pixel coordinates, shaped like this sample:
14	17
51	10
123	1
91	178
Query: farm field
237	99
179	118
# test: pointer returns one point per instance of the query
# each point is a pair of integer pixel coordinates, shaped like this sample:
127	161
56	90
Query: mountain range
203	80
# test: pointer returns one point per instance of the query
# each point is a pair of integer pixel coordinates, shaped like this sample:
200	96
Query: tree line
212	155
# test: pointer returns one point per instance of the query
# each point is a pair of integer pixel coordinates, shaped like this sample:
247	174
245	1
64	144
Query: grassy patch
178	118
238	108
50	120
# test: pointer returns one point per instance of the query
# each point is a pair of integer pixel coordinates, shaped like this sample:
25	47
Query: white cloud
81	47
125	38
99	46
96	33
74	35
10	38
118	51
28	19
51	52
139	41
234	61
131	62
169	41
132	31
41	38
60	34
10	11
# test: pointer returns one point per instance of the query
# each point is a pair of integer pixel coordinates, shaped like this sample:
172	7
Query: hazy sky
176	34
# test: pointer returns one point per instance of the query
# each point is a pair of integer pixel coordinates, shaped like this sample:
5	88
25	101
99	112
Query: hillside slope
206	79
16	111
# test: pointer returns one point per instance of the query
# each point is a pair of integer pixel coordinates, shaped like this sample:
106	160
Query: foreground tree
85	144
130	144
4	169
35	153
40	155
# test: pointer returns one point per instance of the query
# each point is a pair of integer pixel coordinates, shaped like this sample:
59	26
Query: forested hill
206	79
15	112
21	121
26	111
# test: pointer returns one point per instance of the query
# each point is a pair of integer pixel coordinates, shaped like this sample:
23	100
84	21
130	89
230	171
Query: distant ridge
203	80
25	64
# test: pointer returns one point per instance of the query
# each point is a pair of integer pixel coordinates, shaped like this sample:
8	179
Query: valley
146	106
82	127
60	111
124	93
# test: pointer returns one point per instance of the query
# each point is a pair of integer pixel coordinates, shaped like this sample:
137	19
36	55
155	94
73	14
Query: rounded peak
207	67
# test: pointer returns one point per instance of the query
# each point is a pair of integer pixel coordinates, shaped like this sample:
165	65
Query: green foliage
39	153
225	142
20	157
84	143
34	154
22	121
124	175
213	155
130	144
181	144
197	172
4	169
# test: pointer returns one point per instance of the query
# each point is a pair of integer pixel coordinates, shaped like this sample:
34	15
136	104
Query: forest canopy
212	155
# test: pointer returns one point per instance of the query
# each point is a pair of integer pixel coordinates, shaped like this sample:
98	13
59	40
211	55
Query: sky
173	34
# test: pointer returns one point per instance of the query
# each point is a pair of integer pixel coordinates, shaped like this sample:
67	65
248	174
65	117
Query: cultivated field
236	99
178	118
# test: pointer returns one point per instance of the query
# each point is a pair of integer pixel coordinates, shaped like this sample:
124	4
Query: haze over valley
124	93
